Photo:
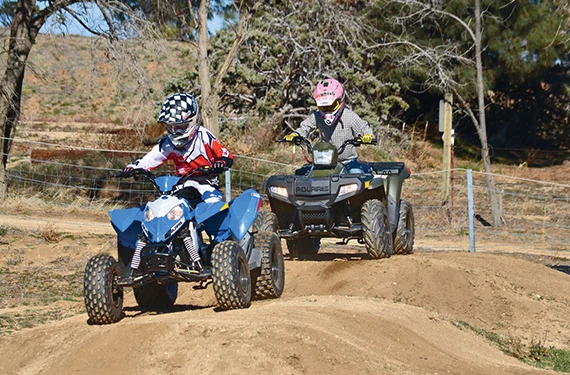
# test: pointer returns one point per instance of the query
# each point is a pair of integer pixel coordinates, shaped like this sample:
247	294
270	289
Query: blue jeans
354	166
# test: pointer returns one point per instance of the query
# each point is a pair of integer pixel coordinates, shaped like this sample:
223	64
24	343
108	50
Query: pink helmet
329	95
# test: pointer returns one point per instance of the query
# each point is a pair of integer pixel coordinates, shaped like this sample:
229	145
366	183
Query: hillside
81	79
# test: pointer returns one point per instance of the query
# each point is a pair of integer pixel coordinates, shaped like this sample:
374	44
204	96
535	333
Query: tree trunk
482	128
209	109
211	93
22	37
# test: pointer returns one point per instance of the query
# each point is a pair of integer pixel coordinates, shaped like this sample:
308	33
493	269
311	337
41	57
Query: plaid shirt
349	126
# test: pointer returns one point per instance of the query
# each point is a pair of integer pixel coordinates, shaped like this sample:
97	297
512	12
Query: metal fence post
471	211
228	186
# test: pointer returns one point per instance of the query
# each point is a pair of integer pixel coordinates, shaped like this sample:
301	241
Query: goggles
330	108
177	129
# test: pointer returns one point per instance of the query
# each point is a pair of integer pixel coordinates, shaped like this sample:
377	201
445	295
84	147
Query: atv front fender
127	224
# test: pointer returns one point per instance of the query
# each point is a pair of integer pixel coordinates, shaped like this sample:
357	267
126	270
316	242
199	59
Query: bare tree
440	60
26	22
210	88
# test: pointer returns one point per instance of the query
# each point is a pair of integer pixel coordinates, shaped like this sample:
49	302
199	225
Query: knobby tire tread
98	290
266	286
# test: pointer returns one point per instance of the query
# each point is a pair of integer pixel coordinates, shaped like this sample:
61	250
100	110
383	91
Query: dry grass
38	205
50	233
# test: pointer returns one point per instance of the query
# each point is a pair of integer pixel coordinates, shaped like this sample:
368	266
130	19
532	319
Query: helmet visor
330	108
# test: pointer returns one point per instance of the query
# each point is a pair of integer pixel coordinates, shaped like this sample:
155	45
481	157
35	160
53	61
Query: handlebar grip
124	174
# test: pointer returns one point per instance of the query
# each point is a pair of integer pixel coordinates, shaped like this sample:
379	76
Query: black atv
323	199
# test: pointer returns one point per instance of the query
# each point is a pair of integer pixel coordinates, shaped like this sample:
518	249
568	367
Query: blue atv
179	238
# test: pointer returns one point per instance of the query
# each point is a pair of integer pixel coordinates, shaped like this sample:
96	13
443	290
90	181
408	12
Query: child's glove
218	166
366	138
291	137
132	166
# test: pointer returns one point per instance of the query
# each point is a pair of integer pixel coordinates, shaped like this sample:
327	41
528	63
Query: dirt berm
340	314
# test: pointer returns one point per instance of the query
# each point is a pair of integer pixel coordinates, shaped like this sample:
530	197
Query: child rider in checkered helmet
189	146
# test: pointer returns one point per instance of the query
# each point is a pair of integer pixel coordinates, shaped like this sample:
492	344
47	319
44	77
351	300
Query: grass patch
10	323
535	354
39	287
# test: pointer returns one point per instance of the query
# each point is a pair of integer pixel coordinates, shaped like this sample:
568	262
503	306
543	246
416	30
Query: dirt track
340	314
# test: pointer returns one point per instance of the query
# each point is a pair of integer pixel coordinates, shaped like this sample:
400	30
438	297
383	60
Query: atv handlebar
299	140
205	170
134	173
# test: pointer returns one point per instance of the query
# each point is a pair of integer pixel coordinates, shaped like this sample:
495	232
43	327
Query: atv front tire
156	296
103	298
269	280
404	241
303	247
376	229
265	221
231	276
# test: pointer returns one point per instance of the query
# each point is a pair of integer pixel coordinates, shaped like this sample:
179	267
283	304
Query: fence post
470	210
228	186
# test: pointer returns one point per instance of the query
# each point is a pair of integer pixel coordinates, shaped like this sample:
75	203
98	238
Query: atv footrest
192	275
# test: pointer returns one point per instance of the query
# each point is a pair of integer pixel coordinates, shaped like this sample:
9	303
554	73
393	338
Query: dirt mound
299	335
340	313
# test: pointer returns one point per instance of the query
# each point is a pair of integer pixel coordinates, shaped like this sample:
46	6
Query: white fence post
228	186
470	210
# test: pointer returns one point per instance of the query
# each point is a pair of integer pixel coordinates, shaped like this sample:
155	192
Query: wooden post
445	119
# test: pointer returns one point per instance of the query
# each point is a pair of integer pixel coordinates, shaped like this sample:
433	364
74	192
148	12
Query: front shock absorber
190	240
136	261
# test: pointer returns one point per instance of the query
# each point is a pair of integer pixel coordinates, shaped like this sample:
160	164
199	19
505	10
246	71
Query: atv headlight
148	215
279	190
175	213
345	189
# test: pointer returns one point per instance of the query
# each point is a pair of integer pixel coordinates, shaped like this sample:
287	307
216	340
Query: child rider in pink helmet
335	123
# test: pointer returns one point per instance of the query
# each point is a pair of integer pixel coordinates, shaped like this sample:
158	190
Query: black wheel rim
116	291
274	265
244	279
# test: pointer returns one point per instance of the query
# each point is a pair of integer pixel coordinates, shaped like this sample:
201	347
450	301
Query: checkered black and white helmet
180	115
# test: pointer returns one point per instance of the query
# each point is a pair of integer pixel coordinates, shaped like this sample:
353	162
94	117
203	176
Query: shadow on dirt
562	268
137	311
327	257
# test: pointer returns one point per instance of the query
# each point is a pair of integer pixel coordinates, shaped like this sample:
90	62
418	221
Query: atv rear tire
103	298
156	296
231	276
265	221
303	247
376	229
269	280
404	241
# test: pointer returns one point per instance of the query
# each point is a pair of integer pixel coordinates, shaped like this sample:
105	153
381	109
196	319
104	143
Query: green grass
536	354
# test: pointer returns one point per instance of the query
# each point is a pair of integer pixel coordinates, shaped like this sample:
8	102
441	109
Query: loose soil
341	313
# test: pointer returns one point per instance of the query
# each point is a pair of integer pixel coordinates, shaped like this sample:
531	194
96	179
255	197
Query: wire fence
535	213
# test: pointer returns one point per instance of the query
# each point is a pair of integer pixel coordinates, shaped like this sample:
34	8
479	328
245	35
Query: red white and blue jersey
203	150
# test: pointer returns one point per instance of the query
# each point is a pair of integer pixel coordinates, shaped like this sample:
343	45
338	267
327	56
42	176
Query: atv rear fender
394	174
